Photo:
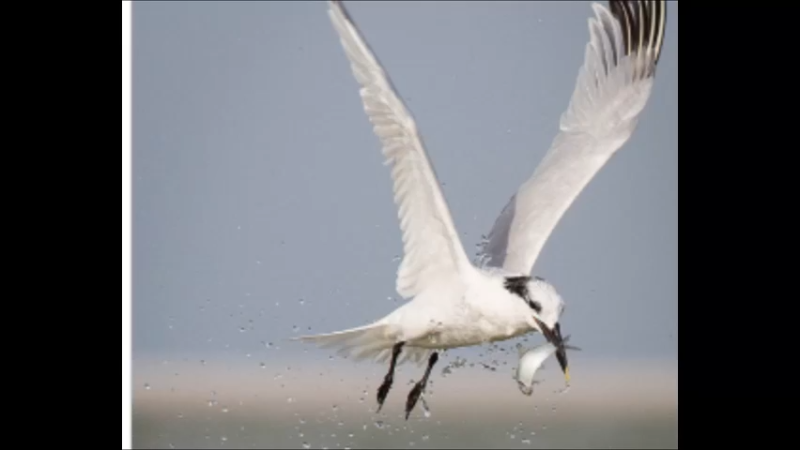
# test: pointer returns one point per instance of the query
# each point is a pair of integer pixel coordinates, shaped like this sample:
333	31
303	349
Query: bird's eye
536	306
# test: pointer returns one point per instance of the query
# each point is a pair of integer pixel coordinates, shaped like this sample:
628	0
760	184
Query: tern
453	302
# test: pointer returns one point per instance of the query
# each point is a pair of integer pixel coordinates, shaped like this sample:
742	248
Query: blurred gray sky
258	181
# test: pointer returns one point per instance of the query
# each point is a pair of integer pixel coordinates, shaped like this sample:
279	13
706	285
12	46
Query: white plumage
609	96
453	303
430	241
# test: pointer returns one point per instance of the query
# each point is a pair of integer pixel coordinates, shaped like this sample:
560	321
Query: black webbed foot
384	388
416	392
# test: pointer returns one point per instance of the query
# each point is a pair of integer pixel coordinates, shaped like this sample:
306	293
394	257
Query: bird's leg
383	390
413	396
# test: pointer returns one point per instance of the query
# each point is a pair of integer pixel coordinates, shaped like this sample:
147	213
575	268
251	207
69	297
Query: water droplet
379	424
295	328
302	302
425	438
526	441
242	330
262	365
335	408
180	415
147	386
290	400
306	445
224	410
425	408
533	433
202	362
224	438
212	403
512	436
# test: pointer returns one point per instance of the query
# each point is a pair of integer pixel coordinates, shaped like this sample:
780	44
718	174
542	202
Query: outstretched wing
431	245
612	89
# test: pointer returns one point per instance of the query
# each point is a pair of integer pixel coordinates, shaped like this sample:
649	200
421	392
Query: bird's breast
467	333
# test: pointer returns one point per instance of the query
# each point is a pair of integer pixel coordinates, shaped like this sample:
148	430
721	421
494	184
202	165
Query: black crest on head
519	286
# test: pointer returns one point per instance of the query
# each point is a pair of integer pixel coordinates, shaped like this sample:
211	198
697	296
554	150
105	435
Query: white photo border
126	225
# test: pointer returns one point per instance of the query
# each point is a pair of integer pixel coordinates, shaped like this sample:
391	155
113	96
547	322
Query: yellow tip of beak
566	374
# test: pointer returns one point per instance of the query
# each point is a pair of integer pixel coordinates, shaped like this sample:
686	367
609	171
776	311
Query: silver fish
530	361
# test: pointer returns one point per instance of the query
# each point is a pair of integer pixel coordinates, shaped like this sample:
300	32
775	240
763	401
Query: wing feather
612	88
431	245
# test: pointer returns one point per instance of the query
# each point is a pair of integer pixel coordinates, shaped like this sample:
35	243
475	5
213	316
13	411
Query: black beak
554	337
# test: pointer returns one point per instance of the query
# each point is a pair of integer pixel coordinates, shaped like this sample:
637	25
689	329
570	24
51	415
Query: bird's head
546	307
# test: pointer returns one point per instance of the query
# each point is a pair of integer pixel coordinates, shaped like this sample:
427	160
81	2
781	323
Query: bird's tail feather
359	342
372	341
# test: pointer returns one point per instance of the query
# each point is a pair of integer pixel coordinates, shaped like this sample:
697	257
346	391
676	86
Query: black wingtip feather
643	24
